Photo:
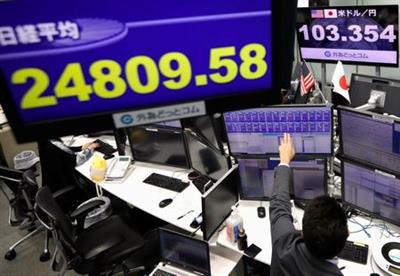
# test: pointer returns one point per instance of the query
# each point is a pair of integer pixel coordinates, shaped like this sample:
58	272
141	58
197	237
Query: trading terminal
177	138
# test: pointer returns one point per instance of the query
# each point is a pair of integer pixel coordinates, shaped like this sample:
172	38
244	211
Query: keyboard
166	182
160	272
354	252
104	148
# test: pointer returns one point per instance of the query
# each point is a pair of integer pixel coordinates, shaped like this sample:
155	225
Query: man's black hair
324	227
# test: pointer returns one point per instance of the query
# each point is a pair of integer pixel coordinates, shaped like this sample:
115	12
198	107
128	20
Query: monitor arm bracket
376	100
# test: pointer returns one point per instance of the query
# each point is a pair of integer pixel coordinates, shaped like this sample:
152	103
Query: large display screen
61	60
259	131
353	34
371	190
370	138
257	178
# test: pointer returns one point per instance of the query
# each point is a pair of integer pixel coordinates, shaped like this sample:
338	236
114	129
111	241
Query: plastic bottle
233	226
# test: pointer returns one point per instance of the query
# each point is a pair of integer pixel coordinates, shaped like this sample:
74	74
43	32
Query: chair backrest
57	164
11	178
58	221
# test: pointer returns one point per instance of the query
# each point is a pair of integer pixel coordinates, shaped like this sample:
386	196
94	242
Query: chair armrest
63	191
86	208
102	248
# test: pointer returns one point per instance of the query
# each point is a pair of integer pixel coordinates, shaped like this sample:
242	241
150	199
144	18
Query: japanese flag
339	82
330	13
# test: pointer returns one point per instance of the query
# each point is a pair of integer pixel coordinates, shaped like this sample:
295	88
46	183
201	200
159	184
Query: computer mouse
261	212
165	202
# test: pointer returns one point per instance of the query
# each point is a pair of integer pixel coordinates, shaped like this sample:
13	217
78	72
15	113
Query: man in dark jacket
312	251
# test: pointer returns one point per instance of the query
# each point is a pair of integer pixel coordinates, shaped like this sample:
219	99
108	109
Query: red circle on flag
330	13
343	83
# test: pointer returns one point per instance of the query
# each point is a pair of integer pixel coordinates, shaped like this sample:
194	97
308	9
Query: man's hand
90	146
286	149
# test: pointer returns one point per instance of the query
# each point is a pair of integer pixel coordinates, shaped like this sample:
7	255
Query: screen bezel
267	155
341	153
347	61
208	236
182	236
292	196
164	129
343	197
86	123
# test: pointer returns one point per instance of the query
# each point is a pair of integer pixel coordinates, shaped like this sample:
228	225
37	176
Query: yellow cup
98	168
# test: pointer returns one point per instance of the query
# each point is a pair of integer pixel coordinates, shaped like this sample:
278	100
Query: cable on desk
195	231
363	227
371	264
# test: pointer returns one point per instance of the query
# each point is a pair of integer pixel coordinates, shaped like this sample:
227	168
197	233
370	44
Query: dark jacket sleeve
280	206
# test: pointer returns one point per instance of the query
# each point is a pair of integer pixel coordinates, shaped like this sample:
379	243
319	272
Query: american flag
307	80
317	14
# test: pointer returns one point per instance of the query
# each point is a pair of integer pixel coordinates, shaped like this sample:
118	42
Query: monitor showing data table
259	131
371	190
257	178
371	138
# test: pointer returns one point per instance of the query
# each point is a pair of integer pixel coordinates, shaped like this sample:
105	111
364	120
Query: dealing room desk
258	232
146	197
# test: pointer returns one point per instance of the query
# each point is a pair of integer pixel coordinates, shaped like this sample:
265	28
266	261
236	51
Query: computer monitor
158	145
204	159
205	126
257	178
186	252
218	201
371	138
372	191
361	87
259	131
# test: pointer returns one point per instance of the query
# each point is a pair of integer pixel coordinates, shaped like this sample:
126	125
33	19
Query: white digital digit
304	30
388	34
318	32
334	33
357	35
371	33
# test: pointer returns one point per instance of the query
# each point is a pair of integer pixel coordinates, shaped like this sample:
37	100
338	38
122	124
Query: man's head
324	227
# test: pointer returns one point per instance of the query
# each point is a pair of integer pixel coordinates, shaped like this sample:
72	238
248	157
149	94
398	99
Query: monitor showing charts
371	190
372	138
259	131
257	178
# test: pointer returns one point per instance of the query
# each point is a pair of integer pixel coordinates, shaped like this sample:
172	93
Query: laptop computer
182	255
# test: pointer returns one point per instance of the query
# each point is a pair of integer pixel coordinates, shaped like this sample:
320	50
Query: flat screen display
184	251
217	203
371	190
352	34
158	145
208	161
259	131
370	138
257	178
72	61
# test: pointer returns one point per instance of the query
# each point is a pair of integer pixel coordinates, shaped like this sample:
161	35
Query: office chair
22	190
100	248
